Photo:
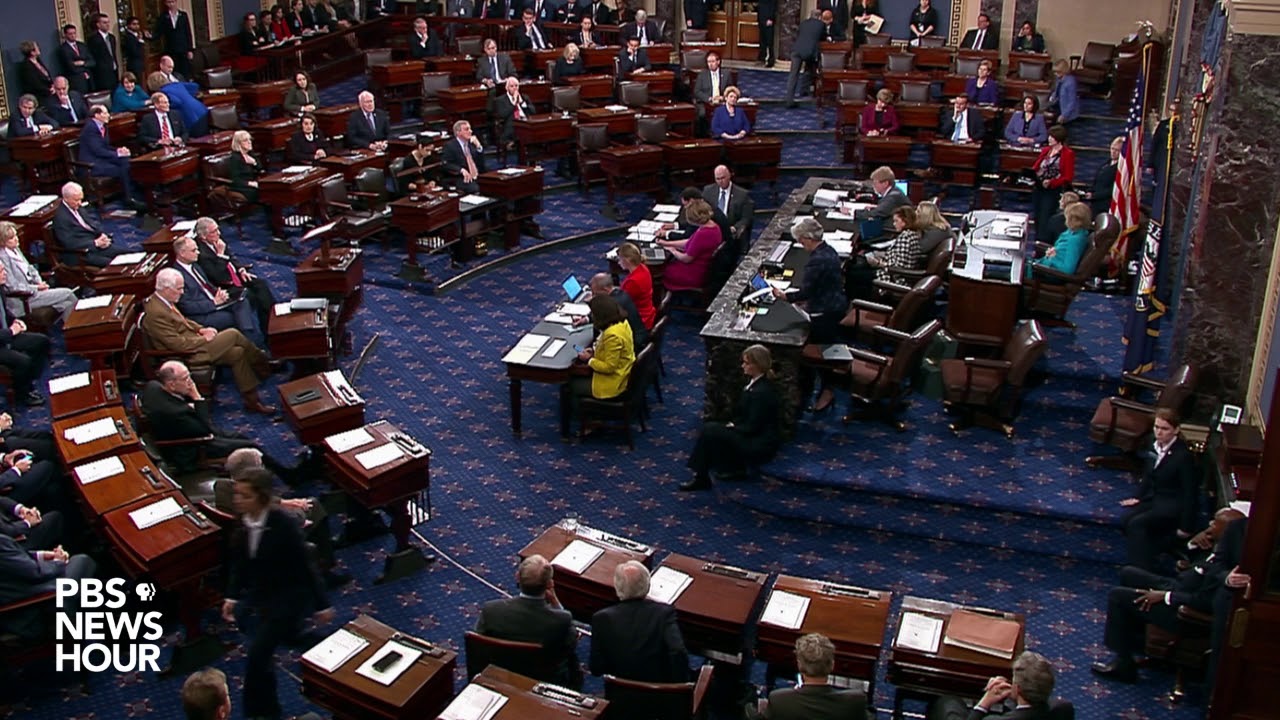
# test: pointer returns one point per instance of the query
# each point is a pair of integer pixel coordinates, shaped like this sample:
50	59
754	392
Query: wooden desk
349	163
273	135
396	82
680	116
591	591
593	88
339	279
716	607
891	150
754	158
461	68
140	480
960	159
138	279
542	137
390	486
525	703
268	95
44	158
622	123
537	92
31	226
331	411
103	334
212	144
522	194
466	102
103	390
301	335
633	169
332	119
125	438
933	58
220	96
855	625
919	117
697	157
660	82
161	241
424	689
433	214
951	670
1016	158
600	58
982	311
172	552
281	190
167	176
123	128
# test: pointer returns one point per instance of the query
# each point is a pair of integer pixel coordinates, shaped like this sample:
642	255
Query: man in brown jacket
169	329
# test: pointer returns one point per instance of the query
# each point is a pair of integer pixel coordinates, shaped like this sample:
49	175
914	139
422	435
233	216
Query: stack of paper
474	199
68	382
577	556
99	469
919	632
408	656
90	431
345	441
666	217
553	347
183	226
338	381
475	702
334	651
97	301
666	585
785	609
828	198
128	258
524	350
511	171
381	455
296	169
660	208
155	513
615	108
31	205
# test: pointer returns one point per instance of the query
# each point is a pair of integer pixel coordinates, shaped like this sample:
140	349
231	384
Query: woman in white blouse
23	277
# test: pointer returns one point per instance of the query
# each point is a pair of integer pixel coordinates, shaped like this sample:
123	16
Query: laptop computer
573	289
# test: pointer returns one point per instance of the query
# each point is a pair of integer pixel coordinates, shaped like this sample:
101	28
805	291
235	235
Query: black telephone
387	661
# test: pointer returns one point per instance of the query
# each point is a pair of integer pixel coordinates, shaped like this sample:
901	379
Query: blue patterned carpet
1019	525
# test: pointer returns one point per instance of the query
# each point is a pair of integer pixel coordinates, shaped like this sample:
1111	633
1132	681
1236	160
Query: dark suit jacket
531	620
18	127
215	266
639	333
315	18
990	41
80	78
282	580
378	8
453	160
106	69
632	30
702	86
32	80
505	113
1104	184
839	12
891	201
524	39
816	702
755	418
302	151
767	10
741	207
626	65
194	303
695	12
62	115
484	67
71	235
577	39
638	640
96	147
551	10
134	50
500	9
973	118
417	50
1170	488
174	40
360	135
21	576
808	36
172	417
599	13
149	129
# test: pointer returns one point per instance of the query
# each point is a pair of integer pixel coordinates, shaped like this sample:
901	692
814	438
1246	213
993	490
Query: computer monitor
572	288
902	185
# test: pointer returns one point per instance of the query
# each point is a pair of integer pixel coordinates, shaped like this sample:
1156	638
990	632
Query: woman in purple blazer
983	89
879	118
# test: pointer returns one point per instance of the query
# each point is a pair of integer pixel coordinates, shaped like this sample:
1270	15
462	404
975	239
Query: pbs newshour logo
94	632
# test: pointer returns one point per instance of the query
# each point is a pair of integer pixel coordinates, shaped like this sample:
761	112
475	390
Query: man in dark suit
65	105
133	45
102	46
535	616
31	120
1026	696
76	61
378	8
206	303
507	108
962	123
223	270
546	10
804	54
695	14
632	58
1165	506
463	158
830	32
31	528
839	15
642	28
981	37
599	13
26	355
683	228
270	571
25	573
1144	598
710	84
889	197
493	68
736	204
499	9
531	35
173	28
368	127
33	75
423	43
637	639
105	159
813	698
75	231
161	127
767	20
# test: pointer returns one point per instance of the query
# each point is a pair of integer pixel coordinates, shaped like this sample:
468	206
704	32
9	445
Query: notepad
660	208
408	656
155	513
577	556
524	350
665	217
553	347
379	456
99	469
334	651
576	309
557	317
785	609
919	632
345	441
474	199
293	169
666	584
128	258
97	301
183	226
90	431
68	382
511	171
338	382
283	308
475	702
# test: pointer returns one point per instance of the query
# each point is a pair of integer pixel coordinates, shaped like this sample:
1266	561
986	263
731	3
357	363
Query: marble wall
789	18
667	9
994	9
1024	10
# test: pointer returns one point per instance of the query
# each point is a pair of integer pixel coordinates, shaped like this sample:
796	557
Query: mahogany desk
349	163
525	703
592	88
102	390
161	241
622	123
696	157
265	96
390	486
44	157
755	158
271	136
461	68
138	279
332	119
660	82
123	128
141	479
297	190
601	57
982	311
301	335
537	91
31	226
220	96
960	159
466	102
933	58
543	137
1016	158
854	622
168	176
680	116
920	118
125	438
339	279
591	591
951	670
424	689
521	193
891	150
103	334
634	169
212	144
716	607
554	370
329	413
396	82
435	214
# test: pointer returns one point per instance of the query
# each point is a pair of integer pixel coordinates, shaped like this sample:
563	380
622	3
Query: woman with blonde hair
1071	245
638	284
751	436
242	167
570	63
729	122
22	279
934	229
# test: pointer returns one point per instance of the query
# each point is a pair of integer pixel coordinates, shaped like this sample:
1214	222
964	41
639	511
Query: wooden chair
1095	68
881	382
990	391
865	316
97	187
622	410
1050	292
430	109
149	358
1187	648
523	658
635	700
358	211
592	138
1124	423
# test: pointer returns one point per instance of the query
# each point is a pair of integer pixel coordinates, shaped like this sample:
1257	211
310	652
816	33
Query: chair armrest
978	339
345	207
183	441
19	294
1123	404
911	273
1141	381
218	179
700	687
1191	615
1048	272
362	194
896	288
27	602
868	356
987	363
872	307
895	335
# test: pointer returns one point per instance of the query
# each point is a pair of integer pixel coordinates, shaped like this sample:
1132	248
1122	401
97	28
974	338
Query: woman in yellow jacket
611	356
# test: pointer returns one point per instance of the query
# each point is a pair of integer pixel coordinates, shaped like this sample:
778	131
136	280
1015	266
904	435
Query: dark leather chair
566	99
852	90
69	267
967	66
692	62
377	56
223	117
989	392
1050	292
880	382
218	78
1124	423
864	316
634	700
472	45
356	211
18	651
430	109
1095	67
692	35
523	658
98	188
224	204
933	41
651	129
149	358
915	91
901	63
101	97
1187	648
592	138
879	39
624	409
182	458
633	94
938	262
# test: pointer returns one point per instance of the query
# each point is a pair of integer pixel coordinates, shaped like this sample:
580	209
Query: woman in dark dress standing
859	17
924	22
751	437
1055	170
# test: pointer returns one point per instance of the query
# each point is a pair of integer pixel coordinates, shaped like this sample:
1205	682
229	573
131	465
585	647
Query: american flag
1124	197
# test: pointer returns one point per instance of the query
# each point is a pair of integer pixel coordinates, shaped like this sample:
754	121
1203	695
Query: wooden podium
390	485
141	479
72	453
521	190
102	334
316	410
338	277
593	590
103	390
424	689
854	619
716	607
419	215
529	699
301	335
138	278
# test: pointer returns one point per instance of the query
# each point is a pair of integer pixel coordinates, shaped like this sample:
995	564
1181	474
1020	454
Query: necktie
715	84
235	276
484	9
76	214
537	37
208	288
496	77
471	164
164	128
724	200
643	39
955	134
74	49
371	125
515	101
977	40
102	129
110	50
72	109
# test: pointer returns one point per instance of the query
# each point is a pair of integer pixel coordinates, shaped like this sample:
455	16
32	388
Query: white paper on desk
828	198
183	226
475	199
334	651
666	584
345	441
665	217
322	229
554	347
128	258
68	382
475	702
292	169
648	226
511	171
635	236
337	381
837	215
23	210
576	309
660	208
99	469
379	456
843	248
557	317
919	632
283	308
524	350
97	301
785	609
39	200
779	284
408	656
90	431
577	556
155	513
616	108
